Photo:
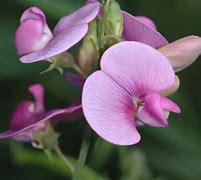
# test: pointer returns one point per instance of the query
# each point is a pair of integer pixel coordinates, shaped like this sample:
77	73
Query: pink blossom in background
182	52
126	91
35	42
30	116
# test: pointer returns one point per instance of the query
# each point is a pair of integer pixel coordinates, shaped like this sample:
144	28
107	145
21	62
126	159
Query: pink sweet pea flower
30	117
126	91
34	40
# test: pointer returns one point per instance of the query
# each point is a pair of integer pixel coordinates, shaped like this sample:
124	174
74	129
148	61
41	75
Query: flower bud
88	53
113	18
33	34
183	52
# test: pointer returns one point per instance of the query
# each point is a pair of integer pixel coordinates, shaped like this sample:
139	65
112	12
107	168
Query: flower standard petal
84	15
60	43
138	68
33	13
33	33
136	30
109	110
30	37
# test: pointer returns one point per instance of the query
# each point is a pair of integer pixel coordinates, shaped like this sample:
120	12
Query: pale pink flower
127	92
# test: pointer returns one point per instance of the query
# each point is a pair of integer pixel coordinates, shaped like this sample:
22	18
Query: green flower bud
88	54
113	18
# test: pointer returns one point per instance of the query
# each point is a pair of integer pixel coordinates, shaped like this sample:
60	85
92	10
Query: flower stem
64	158
83	154
107	3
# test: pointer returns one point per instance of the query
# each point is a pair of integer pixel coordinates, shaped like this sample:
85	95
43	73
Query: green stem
64	158
83	154
107	3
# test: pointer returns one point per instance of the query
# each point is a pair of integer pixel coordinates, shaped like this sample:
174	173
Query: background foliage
172	153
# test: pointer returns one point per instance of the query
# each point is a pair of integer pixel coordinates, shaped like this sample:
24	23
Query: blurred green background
173	153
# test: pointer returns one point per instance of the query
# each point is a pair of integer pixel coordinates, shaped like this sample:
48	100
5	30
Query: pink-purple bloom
35	42
30	117
127	90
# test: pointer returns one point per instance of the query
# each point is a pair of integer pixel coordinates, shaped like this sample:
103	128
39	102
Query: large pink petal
51	115
60	43
109	110
84	15
138	68
136	30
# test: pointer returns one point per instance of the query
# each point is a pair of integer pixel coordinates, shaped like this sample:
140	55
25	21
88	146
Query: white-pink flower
127	90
